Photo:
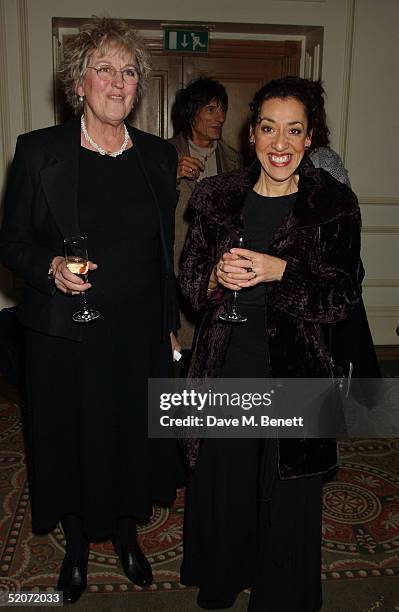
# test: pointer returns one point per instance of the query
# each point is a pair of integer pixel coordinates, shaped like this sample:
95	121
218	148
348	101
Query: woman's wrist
283	266
213	281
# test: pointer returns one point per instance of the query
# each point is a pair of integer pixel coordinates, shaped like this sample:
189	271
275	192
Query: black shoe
134	563
72	580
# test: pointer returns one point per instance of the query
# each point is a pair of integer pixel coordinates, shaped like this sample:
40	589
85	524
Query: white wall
371	157
359	67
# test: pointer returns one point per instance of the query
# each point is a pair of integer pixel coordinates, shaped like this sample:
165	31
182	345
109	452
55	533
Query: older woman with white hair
92	466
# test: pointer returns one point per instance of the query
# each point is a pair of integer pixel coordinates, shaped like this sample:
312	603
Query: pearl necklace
97	147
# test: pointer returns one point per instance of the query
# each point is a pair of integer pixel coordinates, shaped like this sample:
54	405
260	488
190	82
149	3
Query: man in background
198	116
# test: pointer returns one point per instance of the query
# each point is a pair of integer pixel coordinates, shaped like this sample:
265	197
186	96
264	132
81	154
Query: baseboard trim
388	352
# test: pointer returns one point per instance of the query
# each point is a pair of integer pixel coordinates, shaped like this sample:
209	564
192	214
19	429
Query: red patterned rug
361	512
360	527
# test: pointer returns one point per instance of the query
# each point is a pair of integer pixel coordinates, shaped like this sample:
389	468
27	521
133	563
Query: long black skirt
244	526
88	449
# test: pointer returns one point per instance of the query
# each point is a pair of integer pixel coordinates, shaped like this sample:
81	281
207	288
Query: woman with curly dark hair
253	516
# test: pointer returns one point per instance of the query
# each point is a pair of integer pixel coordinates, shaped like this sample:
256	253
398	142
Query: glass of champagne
232	315
77	261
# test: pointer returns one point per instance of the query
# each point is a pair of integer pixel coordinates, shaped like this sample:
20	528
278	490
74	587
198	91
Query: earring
252	144
81	99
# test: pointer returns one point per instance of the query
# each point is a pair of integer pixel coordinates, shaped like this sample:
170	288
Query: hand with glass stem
189	168
65	280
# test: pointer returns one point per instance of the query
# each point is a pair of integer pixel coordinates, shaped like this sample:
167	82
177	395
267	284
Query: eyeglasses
108	73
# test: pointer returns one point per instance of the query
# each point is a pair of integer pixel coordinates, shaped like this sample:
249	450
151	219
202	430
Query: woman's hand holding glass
240	268
65	280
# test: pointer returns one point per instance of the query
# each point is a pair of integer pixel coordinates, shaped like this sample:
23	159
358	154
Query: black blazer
41	210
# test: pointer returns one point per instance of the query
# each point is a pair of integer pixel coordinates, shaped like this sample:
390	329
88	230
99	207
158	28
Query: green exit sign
186	40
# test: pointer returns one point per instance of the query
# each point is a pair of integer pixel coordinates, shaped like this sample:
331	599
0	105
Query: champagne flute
77	261
232	315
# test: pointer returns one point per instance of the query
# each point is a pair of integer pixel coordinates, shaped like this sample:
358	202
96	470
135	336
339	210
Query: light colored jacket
229	160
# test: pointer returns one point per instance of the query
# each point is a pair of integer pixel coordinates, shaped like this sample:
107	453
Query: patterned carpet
360	528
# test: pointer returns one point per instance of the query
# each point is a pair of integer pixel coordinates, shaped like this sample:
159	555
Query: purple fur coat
320	240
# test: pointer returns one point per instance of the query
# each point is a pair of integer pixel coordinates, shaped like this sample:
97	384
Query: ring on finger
254	276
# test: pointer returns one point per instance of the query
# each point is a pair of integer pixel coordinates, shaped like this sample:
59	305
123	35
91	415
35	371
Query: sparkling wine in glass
233	315
77	261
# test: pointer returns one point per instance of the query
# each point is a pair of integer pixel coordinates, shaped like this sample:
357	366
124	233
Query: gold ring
192	170
254	273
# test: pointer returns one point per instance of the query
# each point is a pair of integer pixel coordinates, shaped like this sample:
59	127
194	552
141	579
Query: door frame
242	33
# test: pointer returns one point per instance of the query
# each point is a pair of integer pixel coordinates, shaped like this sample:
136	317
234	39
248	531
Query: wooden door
152	113
242	66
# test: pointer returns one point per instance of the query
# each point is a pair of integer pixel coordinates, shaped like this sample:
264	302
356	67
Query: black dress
97	462
244	526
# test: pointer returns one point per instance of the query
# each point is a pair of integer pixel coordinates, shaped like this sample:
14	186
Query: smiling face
280	138
208	123
108	101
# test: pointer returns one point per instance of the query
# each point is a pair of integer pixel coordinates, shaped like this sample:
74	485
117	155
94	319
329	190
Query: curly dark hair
287	87
309	93
321	133
191	99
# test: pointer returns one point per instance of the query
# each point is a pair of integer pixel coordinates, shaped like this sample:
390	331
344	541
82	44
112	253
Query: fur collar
321	198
